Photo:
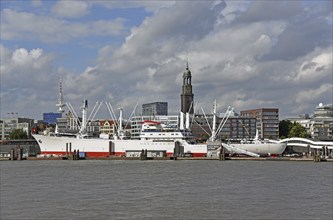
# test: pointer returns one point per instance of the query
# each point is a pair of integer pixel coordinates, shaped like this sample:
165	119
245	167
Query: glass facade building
51	117
155	108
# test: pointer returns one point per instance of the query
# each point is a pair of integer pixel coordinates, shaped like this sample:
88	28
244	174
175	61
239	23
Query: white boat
254	148
154	137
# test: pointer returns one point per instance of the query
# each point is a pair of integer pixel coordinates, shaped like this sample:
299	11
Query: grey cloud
259	11
309	65
181	23
301	37
307	26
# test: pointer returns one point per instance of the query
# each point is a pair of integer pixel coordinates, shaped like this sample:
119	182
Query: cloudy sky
245	54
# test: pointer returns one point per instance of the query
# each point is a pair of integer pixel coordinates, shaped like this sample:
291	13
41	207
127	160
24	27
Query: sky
244	54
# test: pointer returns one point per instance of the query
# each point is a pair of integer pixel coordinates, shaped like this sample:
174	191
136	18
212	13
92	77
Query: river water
109	189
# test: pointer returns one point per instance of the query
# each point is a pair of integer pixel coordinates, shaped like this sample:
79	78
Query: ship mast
84	108
60	104
213	137
120	128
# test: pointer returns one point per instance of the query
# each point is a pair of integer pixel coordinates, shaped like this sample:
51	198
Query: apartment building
267	121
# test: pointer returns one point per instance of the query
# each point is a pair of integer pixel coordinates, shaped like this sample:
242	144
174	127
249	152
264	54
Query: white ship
157	139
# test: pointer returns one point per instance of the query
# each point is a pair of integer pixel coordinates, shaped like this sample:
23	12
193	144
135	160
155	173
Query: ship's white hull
263	148
96	147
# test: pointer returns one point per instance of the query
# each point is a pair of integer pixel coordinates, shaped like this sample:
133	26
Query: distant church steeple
187	95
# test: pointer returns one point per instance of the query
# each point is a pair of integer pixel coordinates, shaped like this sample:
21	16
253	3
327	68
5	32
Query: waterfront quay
296	159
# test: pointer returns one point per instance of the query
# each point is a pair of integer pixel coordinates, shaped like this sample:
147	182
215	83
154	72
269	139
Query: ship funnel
187	121
181	123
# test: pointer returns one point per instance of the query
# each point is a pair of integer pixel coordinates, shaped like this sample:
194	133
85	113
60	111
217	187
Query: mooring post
141	154
12	154
146	154
19	153
222	156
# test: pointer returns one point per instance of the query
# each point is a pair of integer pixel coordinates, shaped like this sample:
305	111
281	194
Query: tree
18	134
284	128
298	130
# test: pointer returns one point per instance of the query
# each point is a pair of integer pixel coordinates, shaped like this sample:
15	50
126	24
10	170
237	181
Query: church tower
187	95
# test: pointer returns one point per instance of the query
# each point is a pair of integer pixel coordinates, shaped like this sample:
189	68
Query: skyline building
51	117
7	125
155	108
235	128
319	125
267	121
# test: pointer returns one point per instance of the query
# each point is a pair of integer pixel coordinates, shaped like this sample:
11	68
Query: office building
319	125
267	121
9	124
51	117
235	128
155	108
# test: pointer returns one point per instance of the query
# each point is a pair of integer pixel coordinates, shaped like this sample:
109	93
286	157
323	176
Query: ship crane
214	133
71	109
119	124
85	120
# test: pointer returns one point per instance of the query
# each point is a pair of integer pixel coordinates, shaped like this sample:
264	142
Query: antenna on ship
84	108
60	104
120	128
213	137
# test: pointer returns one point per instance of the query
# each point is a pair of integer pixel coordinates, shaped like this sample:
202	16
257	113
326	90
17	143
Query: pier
225	159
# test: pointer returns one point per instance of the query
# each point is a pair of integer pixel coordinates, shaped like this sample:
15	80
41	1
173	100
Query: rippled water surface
106	189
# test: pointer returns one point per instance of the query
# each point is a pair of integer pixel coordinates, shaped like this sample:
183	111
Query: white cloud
22	56
70	9
26	80
21	62
313	94
150	6
307	98
313	68
23	25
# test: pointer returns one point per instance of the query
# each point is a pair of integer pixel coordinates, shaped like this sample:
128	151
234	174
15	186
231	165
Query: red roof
150	122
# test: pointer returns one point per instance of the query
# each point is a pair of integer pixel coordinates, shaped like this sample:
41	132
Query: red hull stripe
107	154
88	154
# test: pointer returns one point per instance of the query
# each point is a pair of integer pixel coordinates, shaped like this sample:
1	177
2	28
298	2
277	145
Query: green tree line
288	129
18	134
